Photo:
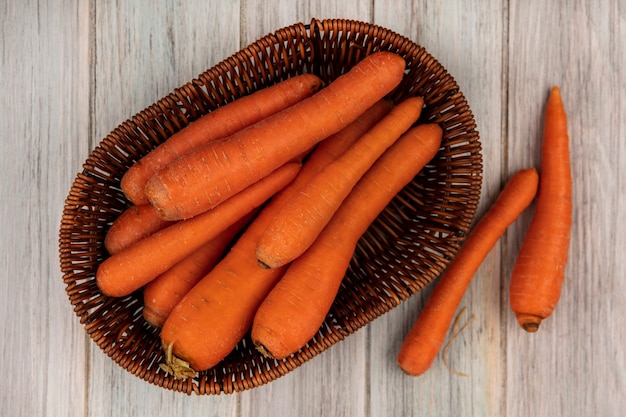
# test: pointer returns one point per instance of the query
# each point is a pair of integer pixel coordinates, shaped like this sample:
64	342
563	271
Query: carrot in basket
222	122
206	176
335	145
163	293
304	216
135	223
216	313
424	340
298	304
133	267
539	271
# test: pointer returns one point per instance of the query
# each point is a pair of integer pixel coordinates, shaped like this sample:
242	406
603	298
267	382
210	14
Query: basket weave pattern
407	247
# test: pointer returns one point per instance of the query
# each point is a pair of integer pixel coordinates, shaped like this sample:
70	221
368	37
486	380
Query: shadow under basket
406	248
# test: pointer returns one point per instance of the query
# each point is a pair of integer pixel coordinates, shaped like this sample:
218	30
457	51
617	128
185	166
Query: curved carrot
130	269
539	271
135	223
163	293
216	313
221	122
304	216
298	304
424	340
206	176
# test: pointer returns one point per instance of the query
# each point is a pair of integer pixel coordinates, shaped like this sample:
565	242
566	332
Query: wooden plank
575	364
468	41
333	383
143	50
44	93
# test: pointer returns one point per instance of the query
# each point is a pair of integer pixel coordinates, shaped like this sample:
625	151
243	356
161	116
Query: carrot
298	304
216	313
304	216
135	223
424	339
163	293
539	270
335	145
133	267
220	123
206	176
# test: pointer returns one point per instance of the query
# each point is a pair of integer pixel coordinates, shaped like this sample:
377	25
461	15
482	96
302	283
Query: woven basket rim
390	264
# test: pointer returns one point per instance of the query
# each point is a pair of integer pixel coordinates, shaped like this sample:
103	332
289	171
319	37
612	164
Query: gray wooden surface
71	71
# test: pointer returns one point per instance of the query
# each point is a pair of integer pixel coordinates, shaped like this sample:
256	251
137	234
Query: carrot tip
529	322
179	368
153	319
263	264
263	350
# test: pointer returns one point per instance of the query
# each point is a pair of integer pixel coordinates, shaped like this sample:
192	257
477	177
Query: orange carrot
130	269
424	340
216	313
298	304
163	293
208	322
220	123
539	271
335	145
206	176
304	216
135	223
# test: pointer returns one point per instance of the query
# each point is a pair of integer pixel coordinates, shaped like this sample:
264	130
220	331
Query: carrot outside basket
407	247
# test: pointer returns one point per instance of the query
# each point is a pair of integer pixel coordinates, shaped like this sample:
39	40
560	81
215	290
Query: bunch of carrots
247	219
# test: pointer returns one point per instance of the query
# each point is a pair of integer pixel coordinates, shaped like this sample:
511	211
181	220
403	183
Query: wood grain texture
44	78
143	50
70	72
574	364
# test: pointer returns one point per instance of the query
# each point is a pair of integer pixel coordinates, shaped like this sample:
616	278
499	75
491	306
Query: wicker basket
407	247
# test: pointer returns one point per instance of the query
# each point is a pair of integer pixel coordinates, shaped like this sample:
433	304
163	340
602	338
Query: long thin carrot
304	216
206	176
133	267
424	340
296	307
134	224
216	313
163	293
539	271
220	123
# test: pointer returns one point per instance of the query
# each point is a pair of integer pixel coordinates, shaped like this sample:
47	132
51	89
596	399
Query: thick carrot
135	223
133	267
206	176
304	216
163	293
424	340
220	123
298	304
216	313
332	147
539	271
